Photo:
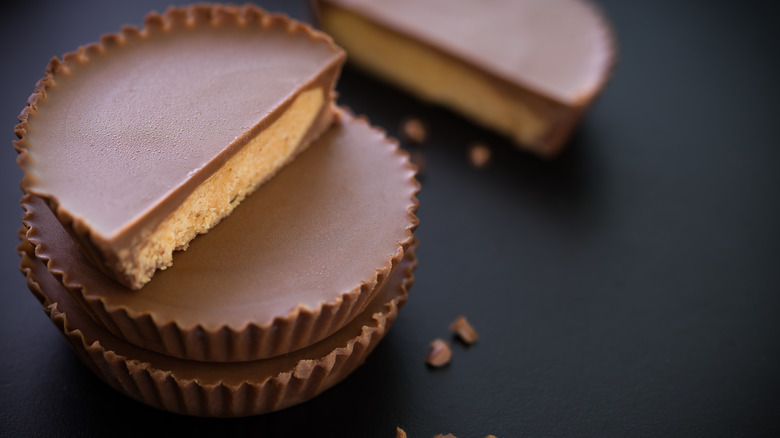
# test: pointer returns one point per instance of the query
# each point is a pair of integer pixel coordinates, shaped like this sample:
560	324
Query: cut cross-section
150	137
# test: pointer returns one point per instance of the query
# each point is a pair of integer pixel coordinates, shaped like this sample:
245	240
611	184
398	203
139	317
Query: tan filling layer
216	198
433	76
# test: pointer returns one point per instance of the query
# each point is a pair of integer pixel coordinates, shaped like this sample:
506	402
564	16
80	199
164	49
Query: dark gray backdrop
629	288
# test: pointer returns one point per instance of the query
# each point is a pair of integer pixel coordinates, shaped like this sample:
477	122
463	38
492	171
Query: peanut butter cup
525	68
294	264
149	137
218	389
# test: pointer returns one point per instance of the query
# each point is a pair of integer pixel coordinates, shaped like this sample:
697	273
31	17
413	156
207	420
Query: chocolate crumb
479	155
399	433
418	159
439	354
464	330
413	130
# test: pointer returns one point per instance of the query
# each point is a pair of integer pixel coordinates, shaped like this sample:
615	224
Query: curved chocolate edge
565	116
558	136
286	333
98	247
158	381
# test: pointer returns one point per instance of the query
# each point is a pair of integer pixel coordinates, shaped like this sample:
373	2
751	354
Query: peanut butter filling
216	198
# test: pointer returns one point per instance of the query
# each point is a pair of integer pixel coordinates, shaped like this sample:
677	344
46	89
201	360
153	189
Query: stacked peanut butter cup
217	122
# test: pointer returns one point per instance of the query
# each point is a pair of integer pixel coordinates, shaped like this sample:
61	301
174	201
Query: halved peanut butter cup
149	137
293	265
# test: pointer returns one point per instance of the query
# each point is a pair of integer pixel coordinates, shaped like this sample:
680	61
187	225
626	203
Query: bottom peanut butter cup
218	389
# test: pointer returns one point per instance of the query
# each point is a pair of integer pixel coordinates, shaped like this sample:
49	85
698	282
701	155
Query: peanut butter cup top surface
340	216
121	125
561	48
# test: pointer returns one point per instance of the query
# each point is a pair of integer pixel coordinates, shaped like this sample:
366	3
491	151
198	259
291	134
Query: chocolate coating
119	133
297	261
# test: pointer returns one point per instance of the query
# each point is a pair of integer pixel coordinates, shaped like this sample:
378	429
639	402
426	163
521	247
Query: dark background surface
630	287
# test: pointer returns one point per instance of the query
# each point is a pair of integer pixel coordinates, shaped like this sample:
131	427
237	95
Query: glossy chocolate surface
125	129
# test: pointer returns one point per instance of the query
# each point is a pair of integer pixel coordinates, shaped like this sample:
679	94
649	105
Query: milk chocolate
526	68
298	260
118	134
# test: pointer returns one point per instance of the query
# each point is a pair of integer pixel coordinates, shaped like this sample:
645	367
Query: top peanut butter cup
151	136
